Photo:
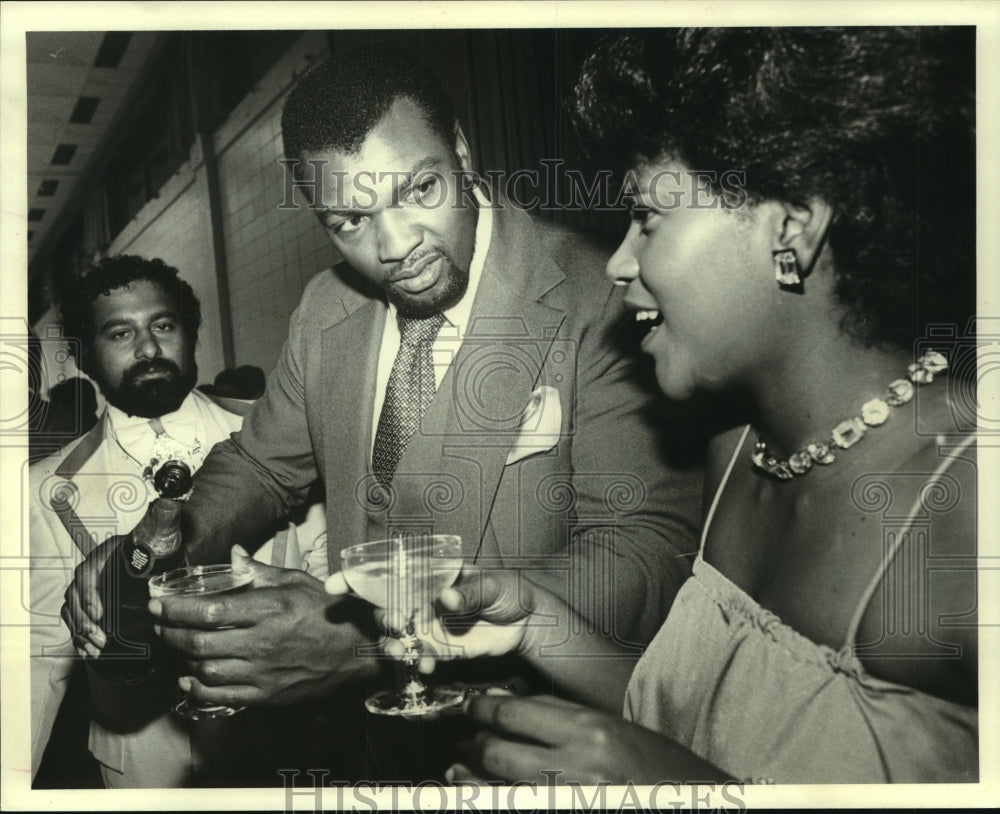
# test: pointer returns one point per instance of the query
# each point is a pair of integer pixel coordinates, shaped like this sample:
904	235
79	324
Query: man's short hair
340	101
117	272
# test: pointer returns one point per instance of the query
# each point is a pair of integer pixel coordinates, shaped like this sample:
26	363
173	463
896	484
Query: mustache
152	366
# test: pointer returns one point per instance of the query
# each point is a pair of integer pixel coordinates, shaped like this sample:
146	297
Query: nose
398	235
147	347
622	267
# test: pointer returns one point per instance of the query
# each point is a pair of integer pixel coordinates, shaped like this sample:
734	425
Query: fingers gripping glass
201	580
404	575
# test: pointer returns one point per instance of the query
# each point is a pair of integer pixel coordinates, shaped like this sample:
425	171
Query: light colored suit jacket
89	491
589	505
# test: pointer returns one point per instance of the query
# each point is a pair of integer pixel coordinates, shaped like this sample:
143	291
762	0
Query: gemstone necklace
848	432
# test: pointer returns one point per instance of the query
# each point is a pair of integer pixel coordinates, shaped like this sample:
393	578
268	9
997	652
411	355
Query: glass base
435	701
193	711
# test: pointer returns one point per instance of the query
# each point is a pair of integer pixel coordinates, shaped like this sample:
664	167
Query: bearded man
132	325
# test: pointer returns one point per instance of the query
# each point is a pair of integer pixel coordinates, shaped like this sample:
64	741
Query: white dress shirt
185	437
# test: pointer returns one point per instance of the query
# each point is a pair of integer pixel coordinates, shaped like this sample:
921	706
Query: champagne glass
404	575
201	580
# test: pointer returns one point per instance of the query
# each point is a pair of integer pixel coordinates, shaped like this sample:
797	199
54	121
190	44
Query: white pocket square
541	425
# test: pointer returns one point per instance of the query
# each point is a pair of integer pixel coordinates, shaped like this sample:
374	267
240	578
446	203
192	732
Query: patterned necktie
410	389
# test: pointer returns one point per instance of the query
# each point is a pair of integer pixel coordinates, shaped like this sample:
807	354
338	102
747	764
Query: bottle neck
161	527
156	538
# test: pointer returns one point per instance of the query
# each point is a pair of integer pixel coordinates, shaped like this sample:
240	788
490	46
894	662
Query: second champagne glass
201	580
404	575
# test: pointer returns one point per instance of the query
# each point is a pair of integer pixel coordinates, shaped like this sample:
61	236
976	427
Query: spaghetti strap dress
748	693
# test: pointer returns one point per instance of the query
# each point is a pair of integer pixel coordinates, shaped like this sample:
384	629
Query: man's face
395	212
140	356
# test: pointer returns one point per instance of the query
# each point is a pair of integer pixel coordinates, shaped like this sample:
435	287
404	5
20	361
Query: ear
803	228
462	149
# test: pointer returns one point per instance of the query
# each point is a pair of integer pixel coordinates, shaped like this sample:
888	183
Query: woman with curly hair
821	637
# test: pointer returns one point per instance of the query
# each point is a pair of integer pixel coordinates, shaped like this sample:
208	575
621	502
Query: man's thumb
240	559
262	574
463	597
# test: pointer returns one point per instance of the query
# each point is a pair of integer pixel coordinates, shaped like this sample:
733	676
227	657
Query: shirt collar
188	411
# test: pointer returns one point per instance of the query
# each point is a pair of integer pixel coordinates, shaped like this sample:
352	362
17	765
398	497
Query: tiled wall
271	253
178	231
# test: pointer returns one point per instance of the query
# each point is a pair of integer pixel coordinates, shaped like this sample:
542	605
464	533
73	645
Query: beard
153	397
418	306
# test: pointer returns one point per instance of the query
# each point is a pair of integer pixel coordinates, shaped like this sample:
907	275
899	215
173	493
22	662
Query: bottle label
139	561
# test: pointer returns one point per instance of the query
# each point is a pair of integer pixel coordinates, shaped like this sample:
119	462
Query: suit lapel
85	450
65	498
96	491
349	360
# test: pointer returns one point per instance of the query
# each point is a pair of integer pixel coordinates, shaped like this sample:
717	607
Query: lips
153	370
151	374
420	275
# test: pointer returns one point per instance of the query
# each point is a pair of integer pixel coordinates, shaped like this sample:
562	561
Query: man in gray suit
534	443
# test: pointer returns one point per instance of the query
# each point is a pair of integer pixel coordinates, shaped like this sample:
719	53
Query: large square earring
786	267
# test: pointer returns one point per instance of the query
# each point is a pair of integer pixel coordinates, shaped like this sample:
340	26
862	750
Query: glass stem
414	693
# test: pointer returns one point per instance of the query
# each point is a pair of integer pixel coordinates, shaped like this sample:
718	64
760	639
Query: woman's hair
877	122
75	303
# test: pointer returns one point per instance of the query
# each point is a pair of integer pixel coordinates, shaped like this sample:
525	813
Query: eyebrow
424	164
421	166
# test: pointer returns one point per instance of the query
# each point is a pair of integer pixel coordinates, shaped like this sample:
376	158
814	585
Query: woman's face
699	275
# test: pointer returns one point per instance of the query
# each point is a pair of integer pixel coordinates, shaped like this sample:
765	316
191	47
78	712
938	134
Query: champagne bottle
133	651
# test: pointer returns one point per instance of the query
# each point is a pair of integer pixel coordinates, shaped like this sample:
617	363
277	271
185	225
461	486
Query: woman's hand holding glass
486	613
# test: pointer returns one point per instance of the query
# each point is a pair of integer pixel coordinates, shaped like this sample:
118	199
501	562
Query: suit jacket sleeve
633	461
250	482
